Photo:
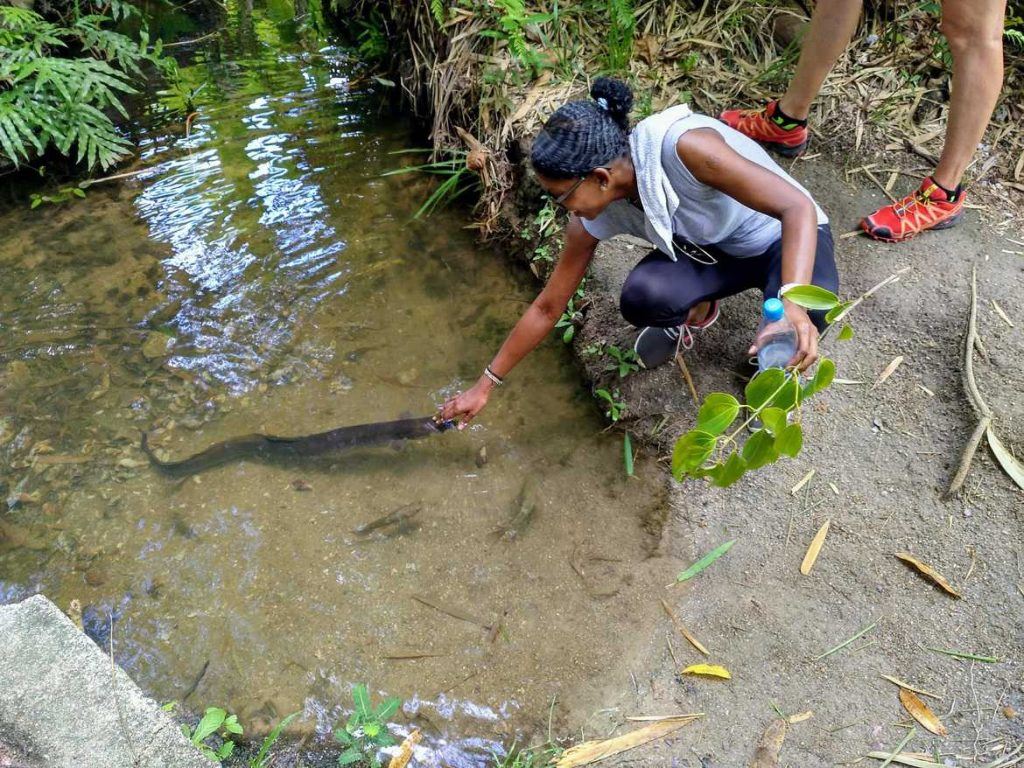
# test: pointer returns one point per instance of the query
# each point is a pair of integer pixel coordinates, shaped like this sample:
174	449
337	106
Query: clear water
260	274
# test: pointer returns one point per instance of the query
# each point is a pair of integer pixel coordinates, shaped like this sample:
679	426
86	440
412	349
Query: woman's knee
649	298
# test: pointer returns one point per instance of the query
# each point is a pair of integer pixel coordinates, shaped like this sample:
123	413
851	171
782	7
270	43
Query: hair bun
617	96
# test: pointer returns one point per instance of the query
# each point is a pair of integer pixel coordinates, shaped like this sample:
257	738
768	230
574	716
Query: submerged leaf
814	549
920	712
928	572
711	670
705	561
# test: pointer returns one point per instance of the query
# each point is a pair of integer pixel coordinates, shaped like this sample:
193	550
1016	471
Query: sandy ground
883	458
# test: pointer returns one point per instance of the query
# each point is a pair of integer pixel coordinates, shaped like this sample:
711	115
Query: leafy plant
58	77
512	19
262	758
614	404
438	10
366	731
624	361
772	411
457	178
62	195
215	721
570	319
620	34
372	39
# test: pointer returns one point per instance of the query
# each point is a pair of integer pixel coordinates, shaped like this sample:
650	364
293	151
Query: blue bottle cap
773	310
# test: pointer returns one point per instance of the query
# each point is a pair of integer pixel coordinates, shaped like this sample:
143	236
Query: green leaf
570	331
717	413
845	333
212	720
627	454
822	378
350	756
691	450
343	735
834	313
260	760
790	440
731	471
226	749
760	449
763	386
811	297
705	561
774	419
361	699
388	708
231	724
790	394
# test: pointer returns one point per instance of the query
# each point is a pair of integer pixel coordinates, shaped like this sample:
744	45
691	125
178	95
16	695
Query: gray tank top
705	216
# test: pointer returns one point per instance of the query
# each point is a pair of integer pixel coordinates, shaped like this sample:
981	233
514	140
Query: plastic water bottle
778	342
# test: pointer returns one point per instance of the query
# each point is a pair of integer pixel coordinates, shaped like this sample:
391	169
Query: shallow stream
260	274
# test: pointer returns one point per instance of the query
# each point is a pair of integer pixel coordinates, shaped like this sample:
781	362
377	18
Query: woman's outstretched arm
534	325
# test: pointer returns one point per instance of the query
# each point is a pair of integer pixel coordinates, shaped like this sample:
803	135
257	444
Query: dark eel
260	445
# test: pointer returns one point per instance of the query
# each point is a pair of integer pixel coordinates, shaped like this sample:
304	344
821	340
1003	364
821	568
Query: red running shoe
928	208
769	128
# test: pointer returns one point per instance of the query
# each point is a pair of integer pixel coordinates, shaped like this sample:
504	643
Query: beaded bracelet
493	376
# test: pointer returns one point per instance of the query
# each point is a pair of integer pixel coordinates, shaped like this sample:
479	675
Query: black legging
659	292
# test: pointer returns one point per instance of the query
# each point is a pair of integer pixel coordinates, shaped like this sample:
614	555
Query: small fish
522	514
400	516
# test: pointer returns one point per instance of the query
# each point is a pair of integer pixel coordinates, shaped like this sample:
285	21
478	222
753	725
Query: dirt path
882	459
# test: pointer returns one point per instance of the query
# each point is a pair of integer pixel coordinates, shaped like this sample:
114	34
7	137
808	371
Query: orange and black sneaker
930	207
770	128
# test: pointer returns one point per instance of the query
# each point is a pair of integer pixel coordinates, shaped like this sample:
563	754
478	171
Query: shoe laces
920	197
682	336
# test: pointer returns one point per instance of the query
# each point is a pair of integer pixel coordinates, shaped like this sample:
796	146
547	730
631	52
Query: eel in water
343	438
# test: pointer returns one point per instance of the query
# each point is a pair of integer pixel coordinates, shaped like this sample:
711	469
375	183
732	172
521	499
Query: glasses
560	200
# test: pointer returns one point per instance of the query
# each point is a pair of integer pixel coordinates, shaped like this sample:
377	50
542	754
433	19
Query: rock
156	345
481	456
63	705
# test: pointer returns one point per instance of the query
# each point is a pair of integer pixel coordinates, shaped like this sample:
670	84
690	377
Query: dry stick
984	412
870	175
689	379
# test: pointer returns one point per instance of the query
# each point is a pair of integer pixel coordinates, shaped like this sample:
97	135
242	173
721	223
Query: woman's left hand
806	337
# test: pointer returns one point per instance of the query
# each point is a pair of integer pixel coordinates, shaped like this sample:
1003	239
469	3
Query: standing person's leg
974	30
782	125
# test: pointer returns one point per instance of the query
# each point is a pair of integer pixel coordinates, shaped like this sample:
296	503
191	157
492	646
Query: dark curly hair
583	135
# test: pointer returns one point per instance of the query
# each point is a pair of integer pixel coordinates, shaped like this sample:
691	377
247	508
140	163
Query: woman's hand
806	337
466	405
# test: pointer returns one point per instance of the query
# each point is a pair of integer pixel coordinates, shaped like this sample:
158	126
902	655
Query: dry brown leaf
405	752
920	712
896	681
766	755
814	549
889	369
683	630
928	572
800	717
593	751
802	482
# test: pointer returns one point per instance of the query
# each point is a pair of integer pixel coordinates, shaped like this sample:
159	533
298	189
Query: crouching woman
724	218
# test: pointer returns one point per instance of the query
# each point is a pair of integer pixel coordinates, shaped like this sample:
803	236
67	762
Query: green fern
438	10
1015	36
622	20
51	96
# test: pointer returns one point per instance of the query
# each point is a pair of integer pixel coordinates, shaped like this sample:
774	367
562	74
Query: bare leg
832	26
974	29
